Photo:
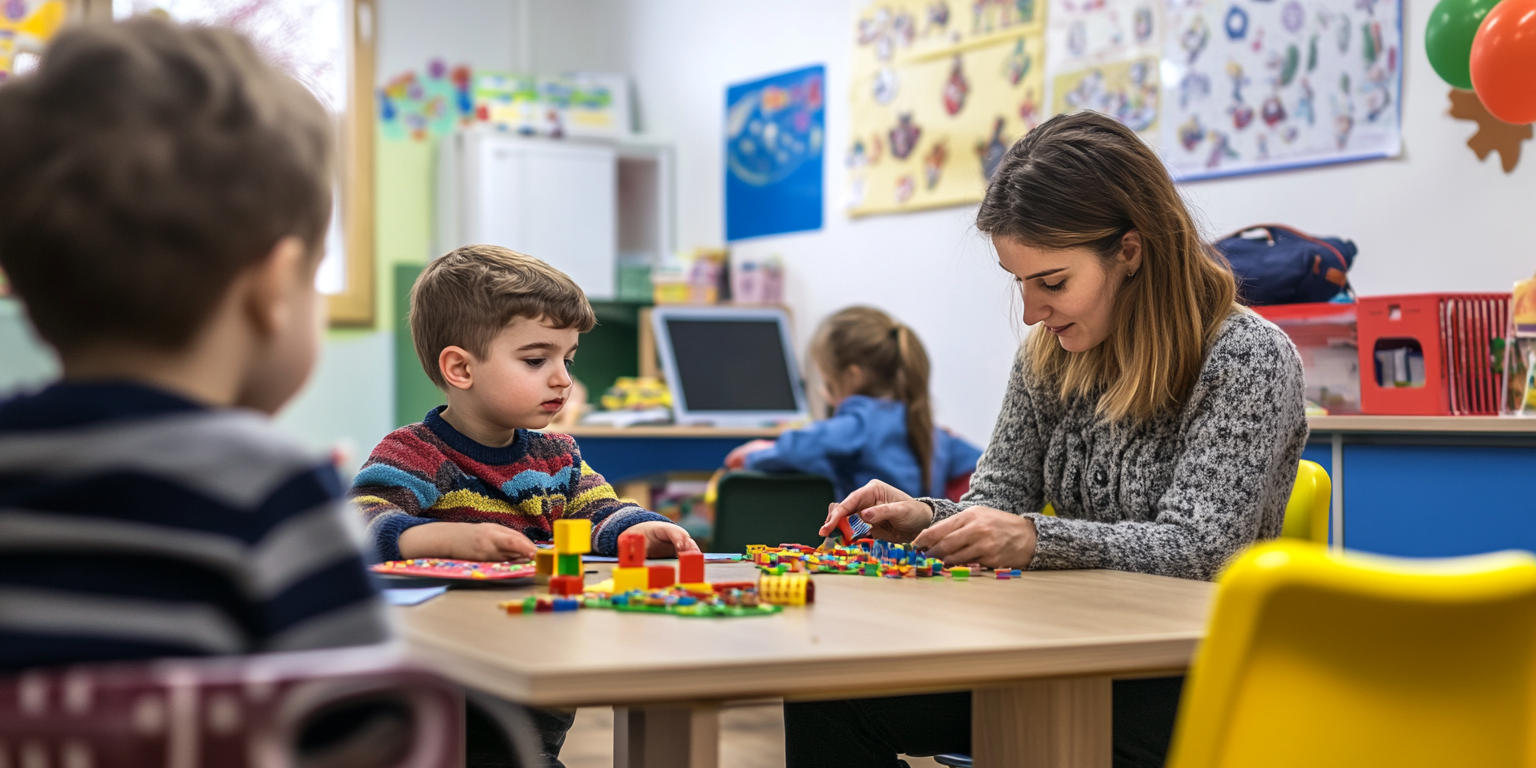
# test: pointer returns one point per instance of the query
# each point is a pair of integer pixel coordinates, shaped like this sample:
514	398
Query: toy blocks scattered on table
867	556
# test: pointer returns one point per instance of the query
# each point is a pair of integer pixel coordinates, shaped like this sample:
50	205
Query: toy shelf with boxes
1435	354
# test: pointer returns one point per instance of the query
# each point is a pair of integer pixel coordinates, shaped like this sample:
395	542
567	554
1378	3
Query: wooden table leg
666	736
1042	723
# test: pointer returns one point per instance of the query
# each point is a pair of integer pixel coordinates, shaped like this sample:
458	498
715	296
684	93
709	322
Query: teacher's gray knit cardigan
1178	495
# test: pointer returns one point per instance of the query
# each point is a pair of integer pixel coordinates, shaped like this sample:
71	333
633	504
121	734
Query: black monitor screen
731	365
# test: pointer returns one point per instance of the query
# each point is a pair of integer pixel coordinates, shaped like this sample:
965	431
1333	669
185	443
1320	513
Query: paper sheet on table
412	595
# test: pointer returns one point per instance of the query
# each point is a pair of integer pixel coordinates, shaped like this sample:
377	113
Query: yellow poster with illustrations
940	91
26	26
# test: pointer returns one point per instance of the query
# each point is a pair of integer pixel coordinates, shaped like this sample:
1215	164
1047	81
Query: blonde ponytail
895	365
912	389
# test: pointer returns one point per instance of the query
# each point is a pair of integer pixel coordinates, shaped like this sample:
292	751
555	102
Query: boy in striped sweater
163	211
497	331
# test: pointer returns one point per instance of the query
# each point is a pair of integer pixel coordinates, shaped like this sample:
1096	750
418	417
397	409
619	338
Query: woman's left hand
983	535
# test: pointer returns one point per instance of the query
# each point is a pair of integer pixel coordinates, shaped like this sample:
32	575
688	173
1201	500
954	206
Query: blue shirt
866	440
136	524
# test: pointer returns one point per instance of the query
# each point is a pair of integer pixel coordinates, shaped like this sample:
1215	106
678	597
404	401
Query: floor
750	737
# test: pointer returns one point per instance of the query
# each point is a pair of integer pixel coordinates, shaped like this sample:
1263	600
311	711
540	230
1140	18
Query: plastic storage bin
1325	336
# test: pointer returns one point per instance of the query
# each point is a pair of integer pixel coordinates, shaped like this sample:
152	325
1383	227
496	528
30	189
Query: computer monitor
729	365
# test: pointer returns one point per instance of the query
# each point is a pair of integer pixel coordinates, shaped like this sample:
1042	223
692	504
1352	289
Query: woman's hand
737	458
892	514
991	537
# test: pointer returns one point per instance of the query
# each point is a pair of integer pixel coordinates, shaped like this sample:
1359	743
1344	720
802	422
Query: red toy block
566	585
690	567
631	550
662	576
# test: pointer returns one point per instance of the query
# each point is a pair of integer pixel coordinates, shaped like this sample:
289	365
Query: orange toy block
661	576
543	566
690	567
566	585
632	550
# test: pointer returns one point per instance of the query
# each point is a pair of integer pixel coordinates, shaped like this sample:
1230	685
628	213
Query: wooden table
1038	652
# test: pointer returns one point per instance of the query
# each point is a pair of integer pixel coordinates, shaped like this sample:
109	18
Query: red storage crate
1451	334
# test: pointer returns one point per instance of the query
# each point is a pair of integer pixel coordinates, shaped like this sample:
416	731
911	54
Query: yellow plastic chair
1306	514
1317	659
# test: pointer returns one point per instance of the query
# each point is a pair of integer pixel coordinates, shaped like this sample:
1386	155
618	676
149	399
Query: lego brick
543	566
568	565
573	537
960	572
566	585
629	579
690	567
632	550
566	604
661	576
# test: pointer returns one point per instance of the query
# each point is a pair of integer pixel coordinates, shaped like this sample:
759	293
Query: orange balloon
1504	61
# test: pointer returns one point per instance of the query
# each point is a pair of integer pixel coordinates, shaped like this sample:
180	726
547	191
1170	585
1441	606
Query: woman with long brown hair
1162	421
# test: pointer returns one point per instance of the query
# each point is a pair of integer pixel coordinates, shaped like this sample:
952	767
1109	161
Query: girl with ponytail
874	371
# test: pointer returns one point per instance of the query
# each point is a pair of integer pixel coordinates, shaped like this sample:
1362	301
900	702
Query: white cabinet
556	200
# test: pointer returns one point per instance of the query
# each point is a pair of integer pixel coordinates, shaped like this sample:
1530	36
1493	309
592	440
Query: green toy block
568	565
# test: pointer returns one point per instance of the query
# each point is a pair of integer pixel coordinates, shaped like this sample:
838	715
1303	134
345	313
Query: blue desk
621	455
1429	486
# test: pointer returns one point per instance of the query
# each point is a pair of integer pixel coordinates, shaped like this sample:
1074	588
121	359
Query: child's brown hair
469	295
894	364
145	165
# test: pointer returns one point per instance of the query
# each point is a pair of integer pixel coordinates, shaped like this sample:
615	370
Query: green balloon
1448	38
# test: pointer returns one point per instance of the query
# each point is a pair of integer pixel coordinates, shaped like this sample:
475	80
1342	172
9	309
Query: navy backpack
1279	265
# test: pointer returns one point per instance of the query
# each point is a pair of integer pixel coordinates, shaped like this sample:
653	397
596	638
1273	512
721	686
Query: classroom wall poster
1219	87
774	143
1105	55
938	96
1262	85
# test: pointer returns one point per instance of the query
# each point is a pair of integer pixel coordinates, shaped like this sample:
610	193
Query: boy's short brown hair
145	164
469	295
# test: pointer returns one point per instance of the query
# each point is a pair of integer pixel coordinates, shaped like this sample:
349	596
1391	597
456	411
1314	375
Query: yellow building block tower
573	538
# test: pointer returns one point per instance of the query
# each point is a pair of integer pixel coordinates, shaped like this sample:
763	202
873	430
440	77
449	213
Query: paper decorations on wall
587	104
1493	134
940	90
1255	85
939	94
425	105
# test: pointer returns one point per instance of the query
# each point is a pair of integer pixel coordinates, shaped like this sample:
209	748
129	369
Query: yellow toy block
573	537
543	566
698	586
629	579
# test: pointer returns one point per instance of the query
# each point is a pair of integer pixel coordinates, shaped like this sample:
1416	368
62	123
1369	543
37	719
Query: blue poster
774	134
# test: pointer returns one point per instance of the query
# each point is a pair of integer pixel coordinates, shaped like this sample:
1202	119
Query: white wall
1434	219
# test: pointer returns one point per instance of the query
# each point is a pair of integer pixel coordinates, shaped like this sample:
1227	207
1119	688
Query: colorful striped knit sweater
430	472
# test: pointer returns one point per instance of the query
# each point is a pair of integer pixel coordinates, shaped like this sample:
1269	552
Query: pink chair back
351	707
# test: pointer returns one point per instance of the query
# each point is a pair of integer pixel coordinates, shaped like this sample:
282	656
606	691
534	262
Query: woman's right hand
892	514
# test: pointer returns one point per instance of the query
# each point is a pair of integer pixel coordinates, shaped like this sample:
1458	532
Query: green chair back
759	508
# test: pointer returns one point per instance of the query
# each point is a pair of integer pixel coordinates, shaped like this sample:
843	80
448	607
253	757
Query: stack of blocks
633	574
573	538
